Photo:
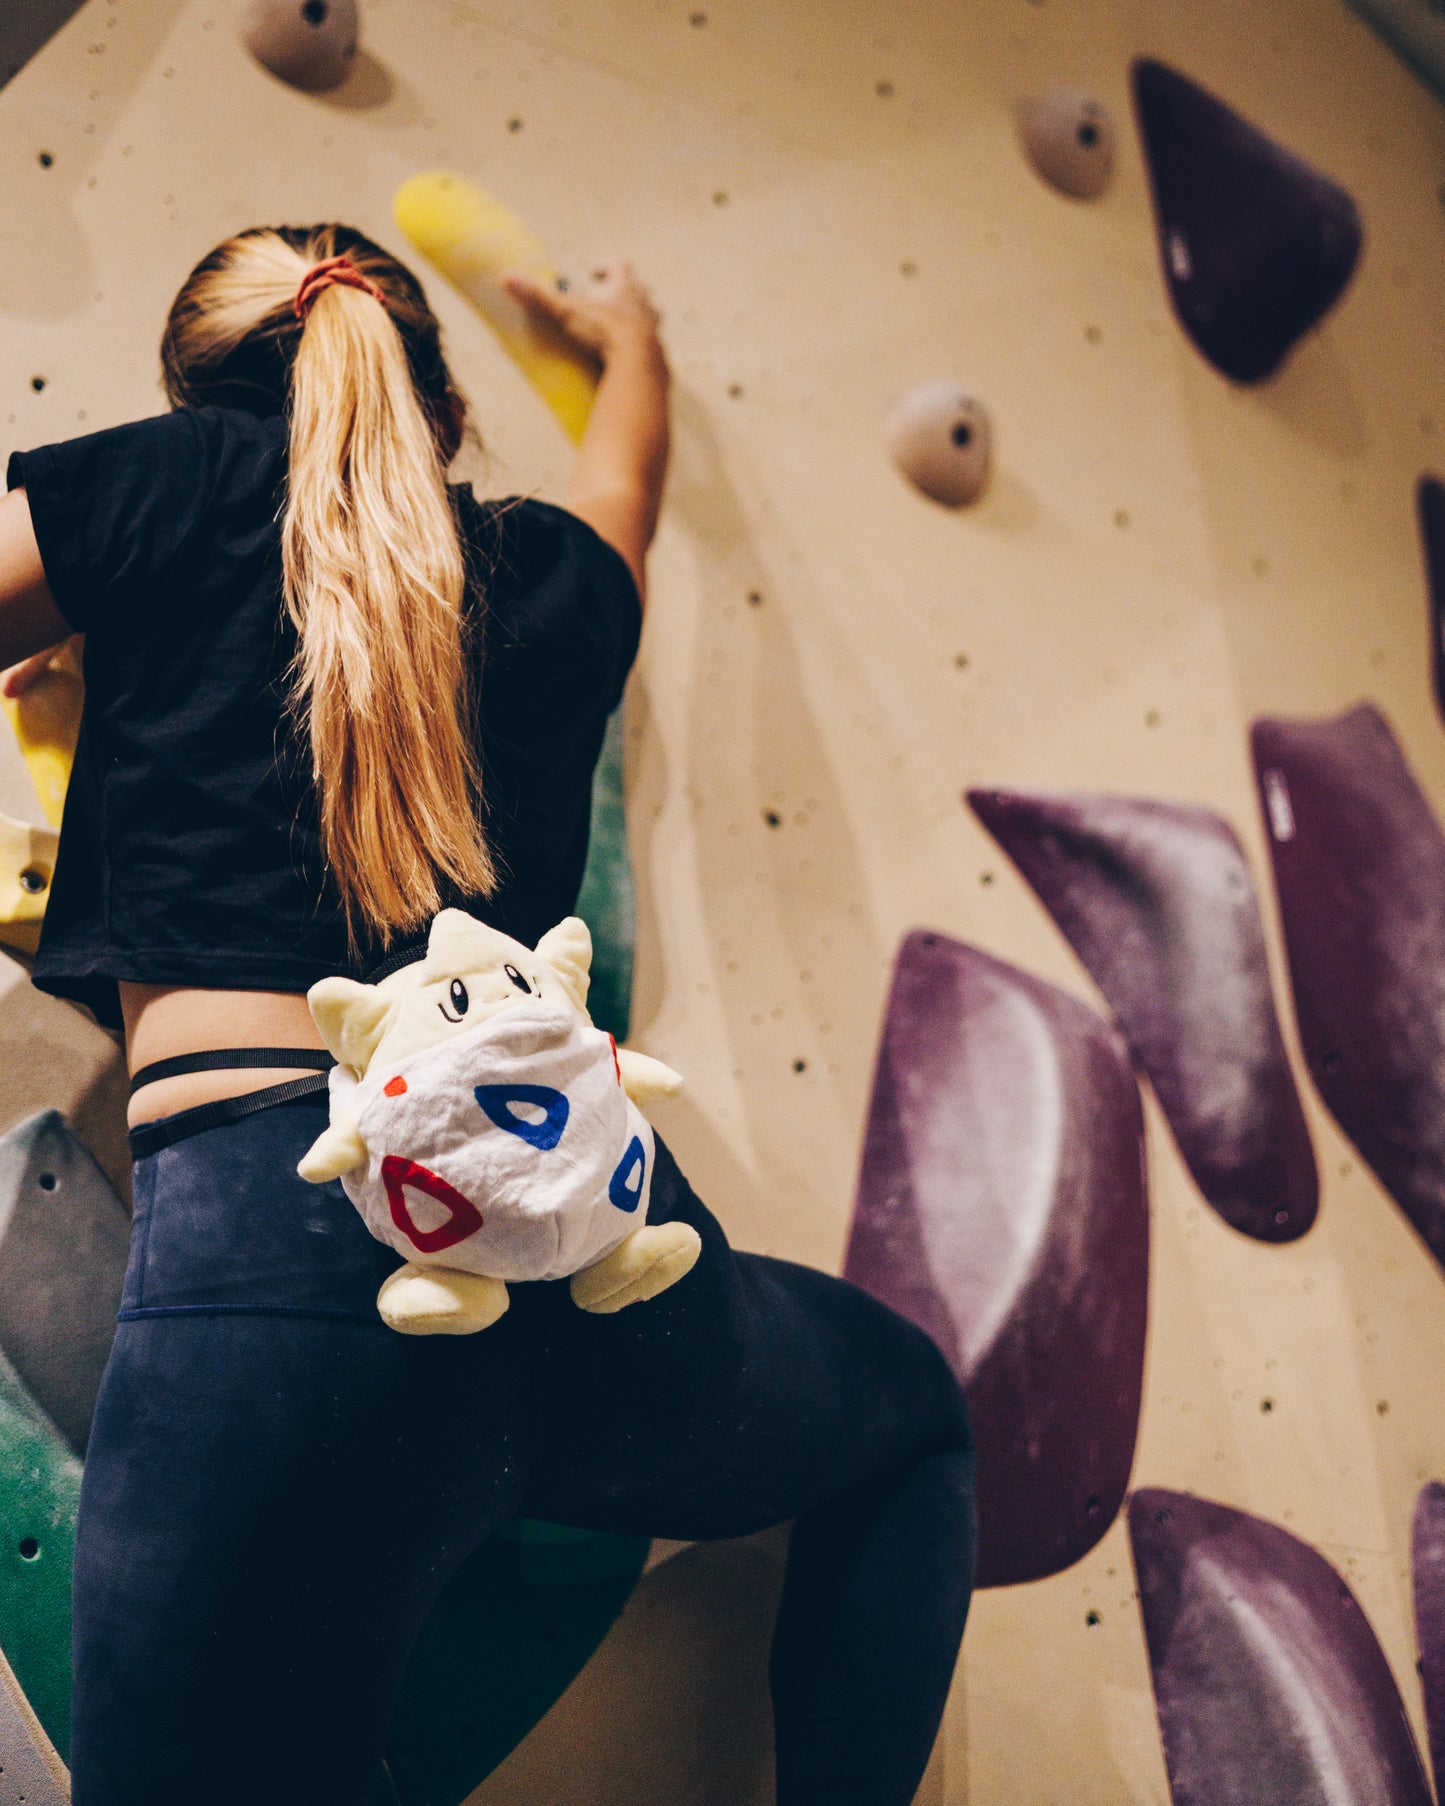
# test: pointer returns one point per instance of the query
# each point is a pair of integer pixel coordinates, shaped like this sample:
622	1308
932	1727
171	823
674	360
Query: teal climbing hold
516	1624
608	901
39	1495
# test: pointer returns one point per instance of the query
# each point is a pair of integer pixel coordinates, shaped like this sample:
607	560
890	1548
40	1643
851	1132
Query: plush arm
645	1079
335	1151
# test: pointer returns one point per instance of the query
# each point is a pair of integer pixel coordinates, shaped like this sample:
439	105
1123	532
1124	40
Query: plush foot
438	1301
648	1262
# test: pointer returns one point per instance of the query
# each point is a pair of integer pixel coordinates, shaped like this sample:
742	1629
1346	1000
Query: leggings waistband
165	1131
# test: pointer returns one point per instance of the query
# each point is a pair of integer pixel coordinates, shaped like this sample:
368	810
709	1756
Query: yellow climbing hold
46	720
27	860
474	240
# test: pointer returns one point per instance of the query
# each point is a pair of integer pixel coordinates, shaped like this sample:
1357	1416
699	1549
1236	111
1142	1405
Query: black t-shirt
189	850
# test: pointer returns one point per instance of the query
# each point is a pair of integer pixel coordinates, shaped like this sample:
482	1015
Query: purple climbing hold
1001	1207
1429	1564
1157	901
1359	865
1257	245
1269	1683
1430	501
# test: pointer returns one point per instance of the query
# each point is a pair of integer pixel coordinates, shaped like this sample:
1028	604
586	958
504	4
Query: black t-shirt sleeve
609	604
564	629
113	510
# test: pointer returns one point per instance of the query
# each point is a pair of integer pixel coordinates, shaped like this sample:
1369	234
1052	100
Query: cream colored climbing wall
830	205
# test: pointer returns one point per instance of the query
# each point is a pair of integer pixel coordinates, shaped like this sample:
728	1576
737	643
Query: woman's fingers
536	297
612	305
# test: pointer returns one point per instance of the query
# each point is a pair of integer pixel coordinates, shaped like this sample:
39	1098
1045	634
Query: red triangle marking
397	1175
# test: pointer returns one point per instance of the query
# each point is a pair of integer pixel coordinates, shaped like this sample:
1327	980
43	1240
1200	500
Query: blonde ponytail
374	578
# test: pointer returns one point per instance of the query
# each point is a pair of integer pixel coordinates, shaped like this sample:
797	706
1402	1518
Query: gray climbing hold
1069	138
309	43
940	438
31	1770
64	1237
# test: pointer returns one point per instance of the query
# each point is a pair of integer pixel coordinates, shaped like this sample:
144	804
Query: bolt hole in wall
47	1182
29	1548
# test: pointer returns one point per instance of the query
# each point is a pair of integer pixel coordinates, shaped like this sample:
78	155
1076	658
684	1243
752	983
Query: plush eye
459	998
517	979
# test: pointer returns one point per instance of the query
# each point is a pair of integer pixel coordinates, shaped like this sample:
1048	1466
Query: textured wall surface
831	204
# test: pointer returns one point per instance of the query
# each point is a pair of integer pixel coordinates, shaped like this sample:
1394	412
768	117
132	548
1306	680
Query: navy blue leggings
277	1486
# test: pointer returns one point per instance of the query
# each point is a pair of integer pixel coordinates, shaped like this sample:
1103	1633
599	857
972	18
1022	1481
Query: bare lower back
164	1020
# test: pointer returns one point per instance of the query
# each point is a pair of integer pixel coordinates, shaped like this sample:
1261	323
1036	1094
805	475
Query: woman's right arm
617	480
30	623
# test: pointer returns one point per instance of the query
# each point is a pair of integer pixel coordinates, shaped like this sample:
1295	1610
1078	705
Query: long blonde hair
374	571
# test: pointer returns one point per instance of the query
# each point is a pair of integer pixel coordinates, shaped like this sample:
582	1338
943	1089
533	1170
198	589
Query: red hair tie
322	275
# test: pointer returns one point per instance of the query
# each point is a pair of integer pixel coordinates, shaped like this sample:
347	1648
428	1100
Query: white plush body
545	1211
485	1129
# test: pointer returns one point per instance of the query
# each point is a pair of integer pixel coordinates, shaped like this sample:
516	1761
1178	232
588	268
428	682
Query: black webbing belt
149	1138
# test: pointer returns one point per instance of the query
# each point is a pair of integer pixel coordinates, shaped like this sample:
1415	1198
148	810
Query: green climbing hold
39	1495
608	902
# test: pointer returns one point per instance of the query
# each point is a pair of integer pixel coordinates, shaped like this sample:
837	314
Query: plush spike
567	949
458	940
351	1018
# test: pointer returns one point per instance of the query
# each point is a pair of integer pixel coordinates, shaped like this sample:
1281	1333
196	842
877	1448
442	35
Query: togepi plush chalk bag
487	1131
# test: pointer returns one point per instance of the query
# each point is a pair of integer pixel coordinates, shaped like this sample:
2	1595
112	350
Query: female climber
327	694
